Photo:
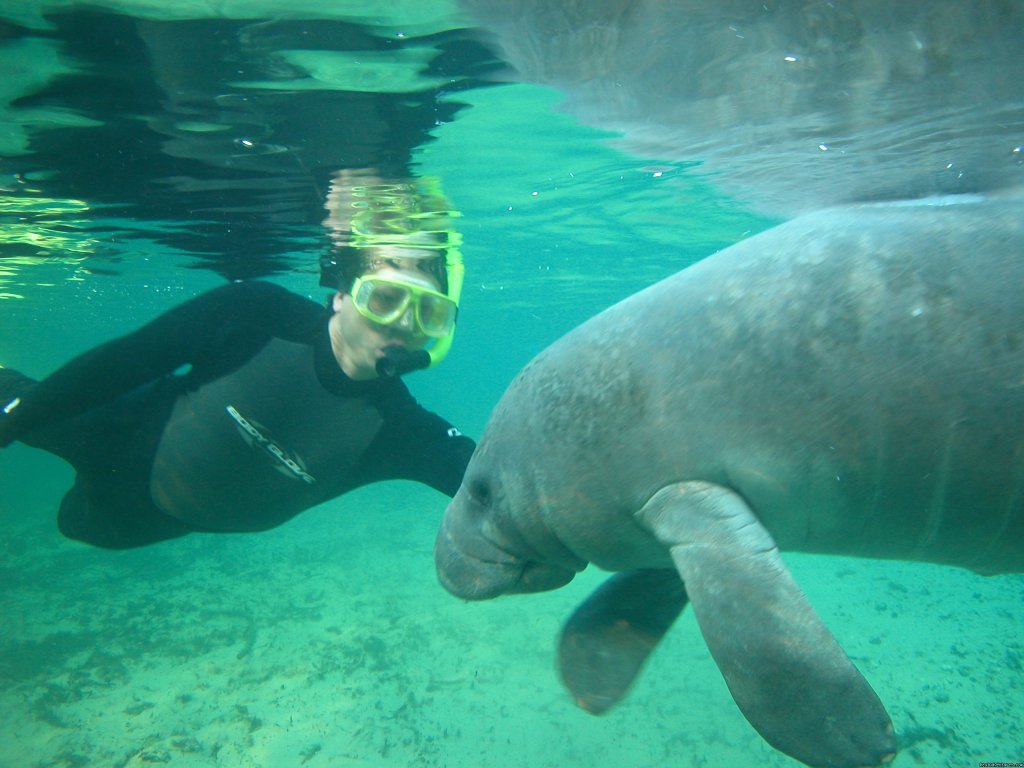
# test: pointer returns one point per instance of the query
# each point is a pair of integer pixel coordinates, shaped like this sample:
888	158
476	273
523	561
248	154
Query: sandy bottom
329	643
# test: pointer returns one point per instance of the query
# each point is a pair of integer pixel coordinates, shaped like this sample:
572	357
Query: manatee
850	382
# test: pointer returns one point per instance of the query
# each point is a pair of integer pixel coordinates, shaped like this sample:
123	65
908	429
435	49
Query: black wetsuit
227	413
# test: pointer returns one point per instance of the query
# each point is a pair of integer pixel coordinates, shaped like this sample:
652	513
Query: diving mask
386	301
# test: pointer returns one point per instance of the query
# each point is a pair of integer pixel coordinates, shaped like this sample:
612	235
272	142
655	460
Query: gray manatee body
850	382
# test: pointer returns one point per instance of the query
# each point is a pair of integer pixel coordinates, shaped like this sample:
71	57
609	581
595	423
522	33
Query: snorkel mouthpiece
398	361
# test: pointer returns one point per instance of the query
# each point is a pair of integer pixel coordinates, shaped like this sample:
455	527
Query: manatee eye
480	492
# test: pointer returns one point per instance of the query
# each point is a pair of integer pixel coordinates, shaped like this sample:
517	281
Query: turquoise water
327	642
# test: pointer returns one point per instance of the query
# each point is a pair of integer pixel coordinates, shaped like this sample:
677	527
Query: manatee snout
470	567
474	561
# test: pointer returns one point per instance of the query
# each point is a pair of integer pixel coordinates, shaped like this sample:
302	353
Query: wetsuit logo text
253	436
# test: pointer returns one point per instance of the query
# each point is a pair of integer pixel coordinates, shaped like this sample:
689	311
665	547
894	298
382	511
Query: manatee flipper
609	637
784	668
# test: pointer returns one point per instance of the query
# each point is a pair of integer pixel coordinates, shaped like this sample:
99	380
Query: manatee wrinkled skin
850	382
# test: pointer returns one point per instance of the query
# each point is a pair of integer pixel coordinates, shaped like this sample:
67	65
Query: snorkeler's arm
443	456
214	333
415	444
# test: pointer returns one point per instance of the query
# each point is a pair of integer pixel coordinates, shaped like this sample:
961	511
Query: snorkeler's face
359	342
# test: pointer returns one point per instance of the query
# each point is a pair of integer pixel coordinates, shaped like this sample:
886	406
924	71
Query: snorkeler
248	404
